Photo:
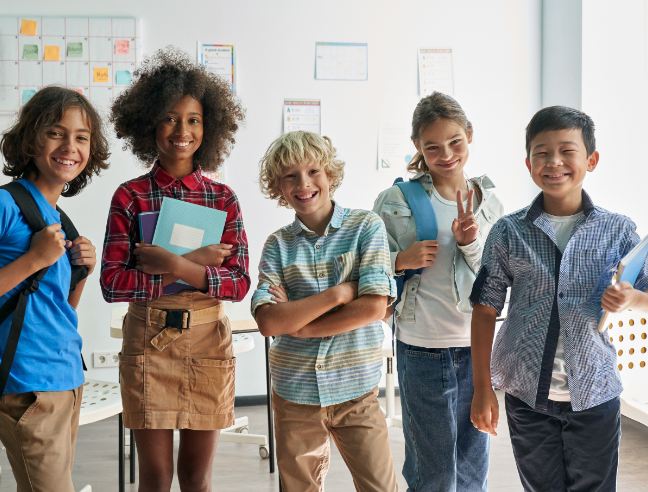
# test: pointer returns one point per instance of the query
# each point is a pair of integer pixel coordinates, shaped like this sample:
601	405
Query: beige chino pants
39	430
359	430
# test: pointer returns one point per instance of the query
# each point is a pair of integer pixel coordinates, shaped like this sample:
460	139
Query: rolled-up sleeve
376	275
270	273
494	277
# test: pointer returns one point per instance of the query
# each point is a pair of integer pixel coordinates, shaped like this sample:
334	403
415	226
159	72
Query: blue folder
183	227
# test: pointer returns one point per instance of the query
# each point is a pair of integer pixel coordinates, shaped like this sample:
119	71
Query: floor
238	467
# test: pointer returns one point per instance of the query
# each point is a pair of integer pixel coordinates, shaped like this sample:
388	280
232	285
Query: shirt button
319	366
561	295
413	289
321	275
318	246
395	212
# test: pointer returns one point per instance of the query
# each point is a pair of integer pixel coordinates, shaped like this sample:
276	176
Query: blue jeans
443	450
561	449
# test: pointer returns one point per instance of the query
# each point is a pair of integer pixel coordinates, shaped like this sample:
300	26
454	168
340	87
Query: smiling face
65	152
444	146
179	135
558	163
306	189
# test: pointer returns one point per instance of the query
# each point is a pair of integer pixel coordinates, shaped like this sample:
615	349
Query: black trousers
563	450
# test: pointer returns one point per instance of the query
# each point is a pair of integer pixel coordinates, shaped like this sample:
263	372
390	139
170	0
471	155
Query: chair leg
270	419
121	453
132	456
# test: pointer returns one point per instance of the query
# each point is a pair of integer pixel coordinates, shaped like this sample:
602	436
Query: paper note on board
30	52
435	71
52	53
122	47
123	77
302	114
100	74
75	50
395	147
28	27
341	61
218	59
27	94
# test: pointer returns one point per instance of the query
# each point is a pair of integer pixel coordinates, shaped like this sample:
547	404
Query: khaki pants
39	430
360	432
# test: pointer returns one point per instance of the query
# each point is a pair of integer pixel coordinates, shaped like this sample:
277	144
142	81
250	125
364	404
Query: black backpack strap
79	272
17	303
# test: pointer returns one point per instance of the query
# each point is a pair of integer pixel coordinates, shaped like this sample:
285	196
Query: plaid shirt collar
164	179
298	226
538	217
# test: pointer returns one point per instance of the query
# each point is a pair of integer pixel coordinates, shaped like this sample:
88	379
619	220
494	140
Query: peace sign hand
465	227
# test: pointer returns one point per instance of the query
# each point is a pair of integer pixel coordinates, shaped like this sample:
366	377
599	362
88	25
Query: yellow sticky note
52	53
28	27
101	74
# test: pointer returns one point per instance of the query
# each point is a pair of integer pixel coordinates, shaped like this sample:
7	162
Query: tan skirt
177	378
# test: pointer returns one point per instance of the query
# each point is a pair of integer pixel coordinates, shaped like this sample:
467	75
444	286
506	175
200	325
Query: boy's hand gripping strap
427	228
17	303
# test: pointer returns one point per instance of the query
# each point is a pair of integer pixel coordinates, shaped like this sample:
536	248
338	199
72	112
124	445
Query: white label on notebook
186	237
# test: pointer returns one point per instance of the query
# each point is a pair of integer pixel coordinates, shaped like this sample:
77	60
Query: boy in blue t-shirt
53	150
559	373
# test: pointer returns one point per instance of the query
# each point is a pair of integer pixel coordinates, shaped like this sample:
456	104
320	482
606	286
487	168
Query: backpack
18	301
427	228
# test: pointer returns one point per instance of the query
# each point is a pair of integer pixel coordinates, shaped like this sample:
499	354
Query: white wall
497	80
614	95
562	52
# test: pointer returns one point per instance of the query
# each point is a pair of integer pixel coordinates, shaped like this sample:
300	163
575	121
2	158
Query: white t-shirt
559	390
438	322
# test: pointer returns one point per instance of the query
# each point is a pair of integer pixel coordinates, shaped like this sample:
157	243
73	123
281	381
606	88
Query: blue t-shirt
49	351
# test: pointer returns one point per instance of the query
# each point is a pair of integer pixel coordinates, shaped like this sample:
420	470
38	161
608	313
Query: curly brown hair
162	80
25	139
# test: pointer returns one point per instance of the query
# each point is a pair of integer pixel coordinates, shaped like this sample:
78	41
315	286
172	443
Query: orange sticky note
122	47
101	74
52	53
28	27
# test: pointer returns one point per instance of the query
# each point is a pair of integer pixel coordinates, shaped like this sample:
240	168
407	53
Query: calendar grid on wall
96	56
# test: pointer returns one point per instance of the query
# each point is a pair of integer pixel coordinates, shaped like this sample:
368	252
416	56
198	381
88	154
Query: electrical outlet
105	359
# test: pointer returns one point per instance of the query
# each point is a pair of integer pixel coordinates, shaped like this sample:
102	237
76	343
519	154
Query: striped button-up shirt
326	371
121	282
550	294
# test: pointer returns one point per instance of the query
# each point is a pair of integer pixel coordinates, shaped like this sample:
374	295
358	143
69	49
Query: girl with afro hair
177	362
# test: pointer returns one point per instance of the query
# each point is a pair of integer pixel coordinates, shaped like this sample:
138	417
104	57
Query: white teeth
181	144
306	197
65	162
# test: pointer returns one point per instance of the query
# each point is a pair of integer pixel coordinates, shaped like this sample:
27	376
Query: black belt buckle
174	319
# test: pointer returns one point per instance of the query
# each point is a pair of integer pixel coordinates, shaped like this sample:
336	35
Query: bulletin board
95	56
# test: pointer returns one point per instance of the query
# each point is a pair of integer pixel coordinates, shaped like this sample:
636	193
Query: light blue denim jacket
401	234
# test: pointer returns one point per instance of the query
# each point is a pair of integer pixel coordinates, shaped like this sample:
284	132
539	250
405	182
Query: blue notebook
629	268
183	227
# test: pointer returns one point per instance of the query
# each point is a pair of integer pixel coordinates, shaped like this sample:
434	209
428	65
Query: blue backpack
427	228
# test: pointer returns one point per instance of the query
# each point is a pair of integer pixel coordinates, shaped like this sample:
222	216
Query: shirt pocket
345	268
396	217
593	270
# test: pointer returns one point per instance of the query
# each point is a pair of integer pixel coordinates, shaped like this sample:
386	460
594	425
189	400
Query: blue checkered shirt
521	253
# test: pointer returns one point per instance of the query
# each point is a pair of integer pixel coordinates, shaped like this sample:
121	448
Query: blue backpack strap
427	228
422	209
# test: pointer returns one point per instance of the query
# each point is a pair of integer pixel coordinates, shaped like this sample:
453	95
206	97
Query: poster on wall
341	61
95	56
435	71
218	59
302	114
395	147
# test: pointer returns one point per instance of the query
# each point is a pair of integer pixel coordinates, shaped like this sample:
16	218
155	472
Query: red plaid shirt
121	282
